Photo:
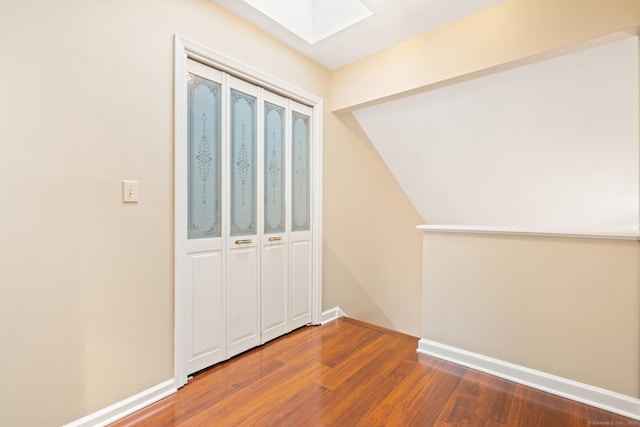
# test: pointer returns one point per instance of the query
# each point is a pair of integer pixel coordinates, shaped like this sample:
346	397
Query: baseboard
151	395
331	314
126	407
584	393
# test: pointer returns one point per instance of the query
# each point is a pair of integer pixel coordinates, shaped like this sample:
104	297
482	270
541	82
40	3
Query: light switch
130	191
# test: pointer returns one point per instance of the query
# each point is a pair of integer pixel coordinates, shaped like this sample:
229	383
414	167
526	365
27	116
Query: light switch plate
130	191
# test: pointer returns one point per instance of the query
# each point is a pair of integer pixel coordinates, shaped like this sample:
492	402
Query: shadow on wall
373	251
341	288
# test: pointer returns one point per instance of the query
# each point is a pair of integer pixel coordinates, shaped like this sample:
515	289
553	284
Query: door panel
300	284
204	298
273	283
300	172
300	248
204	151
274	165
242	299
274	250
243	306
204	255
243	165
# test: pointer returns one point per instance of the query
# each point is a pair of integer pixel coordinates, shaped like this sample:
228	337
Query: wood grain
349	373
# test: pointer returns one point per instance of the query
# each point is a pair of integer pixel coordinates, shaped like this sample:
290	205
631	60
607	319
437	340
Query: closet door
243	307
204	258
274	253
300	250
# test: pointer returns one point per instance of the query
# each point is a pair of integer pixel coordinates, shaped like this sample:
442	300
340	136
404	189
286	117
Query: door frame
186	49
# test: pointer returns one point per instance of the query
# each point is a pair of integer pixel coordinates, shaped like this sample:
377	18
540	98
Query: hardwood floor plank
363	391
344	370
422	396
349	373
303	409
479	397
345	344
370	414
265	399
528	408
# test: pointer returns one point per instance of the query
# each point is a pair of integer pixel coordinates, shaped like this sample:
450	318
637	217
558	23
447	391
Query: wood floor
349	373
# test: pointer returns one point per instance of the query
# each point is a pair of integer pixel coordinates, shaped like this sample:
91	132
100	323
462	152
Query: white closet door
243	294
204	259
300	251
274	253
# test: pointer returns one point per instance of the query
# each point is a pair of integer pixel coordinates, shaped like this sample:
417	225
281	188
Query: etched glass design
274	206
243	164
203	116
300	182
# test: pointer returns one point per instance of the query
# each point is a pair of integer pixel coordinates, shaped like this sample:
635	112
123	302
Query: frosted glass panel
204	158
243	164
300	177
273	169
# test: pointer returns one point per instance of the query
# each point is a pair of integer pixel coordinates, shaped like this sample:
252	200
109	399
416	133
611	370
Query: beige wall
566	306
87	101
87	282
372	249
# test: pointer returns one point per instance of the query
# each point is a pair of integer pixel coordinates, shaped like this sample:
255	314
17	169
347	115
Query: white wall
553	144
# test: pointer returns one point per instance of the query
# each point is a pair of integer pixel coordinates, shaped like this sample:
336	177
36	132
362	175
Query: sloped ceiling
553	144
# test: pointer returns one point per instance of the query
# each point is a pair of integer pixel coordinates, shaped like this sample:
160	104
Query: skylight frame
313	20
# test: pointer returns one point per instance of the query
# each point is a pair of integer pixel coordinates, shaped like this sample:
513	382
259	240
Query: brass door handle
275	239
240	242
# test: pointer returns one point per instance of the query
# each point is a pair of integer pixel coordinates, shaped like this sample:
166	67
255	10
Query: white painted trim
593	234
180	214
186	49
332	314
126	407
221	62
316	210
580	392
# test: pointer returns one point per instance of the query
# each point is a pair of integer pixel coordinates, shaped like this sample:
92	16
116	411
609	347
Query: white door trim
187	49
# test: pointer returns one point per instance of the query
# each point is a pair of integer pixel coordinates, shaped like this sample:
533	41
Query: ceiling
552	144
390	22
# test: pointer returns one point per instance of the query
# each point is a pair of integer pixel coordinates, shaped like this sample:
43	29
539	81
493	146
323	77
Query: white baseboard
126	407
151	395
331	314
584	393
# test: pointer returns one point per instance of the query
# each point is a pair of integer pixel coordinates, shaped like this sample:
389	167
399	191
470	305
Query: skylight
313	20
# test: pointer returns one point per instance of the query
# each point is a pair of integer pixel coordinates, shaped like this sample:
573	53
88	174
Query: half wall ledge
584	233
